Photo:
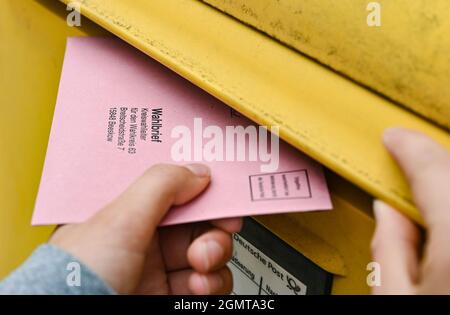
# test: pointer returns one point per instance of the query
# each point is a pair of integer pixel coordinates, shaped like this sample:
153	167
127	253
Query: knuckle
167	178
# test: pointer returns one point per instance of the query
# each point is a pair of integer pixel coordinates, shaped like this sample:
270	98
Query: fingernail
205	284
241	224
212	252
391	133
199	169
378	207
200	282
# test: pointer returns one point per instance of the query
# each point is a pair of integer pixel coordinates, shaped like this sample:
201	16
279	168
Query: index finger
426	165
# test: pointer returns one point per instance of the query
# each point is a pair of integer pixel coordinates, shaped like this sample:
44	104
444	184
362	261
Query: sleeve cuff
51	270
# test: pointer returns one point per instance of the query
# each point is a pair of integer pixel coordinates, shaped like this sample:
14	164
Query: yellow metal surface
334	120
407	57
32	42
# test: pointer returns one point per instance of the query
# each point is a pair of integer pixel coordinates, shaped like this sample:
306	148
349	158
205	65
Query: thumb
139	210
395	247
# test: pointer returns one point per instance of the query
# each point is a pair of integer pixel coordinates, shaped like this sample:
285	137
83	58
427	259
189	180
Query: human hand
396	245
124	246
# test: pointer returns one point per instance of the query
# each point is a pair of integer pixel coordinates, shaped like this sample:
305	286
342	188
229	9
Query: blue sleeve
50	270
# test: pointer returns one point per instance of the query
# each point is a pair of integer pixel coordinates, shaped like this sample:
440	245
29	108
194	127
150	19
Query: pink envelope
118	112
